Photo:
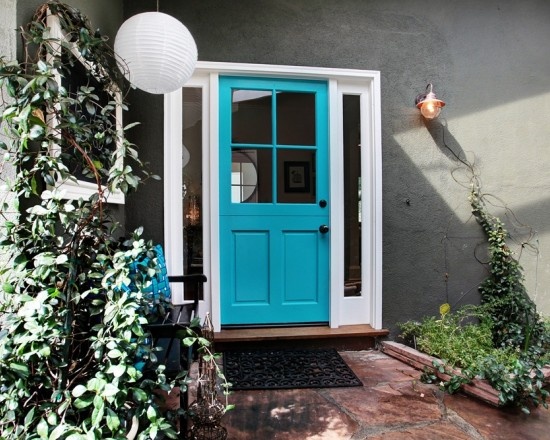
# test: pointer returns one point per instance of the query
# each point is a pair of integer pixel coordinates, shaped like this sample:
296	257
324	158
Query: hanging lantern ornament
156	52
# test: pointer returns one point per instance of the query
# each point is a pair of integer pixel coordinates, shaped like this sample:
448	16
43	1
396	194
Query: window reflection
295	118
352	194
192	182
244	178
251	173
252	168
251	117
296	176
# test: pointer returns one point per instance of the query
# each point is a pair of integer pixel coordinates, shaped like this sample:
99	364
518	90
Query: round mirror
244	176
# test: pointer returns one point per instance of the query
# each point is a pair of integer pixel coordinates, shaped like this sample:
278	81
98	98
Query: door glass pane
352	195
251	117
192	182
295	118
296	176
251	175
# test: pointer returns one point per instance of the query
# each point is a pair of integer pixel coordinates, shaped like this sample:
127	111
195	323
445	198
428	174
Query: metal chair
174	324
168	333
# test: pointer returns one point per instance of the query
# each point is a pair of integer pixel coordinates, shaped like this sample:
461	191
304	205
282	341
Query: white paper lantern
157	52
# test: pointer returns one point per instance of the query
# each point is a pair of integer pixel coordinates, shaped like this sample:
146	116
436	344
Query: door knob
323	229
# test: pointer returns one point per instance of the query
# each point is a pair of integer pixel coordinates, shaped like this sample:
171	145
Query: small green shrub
460	338
460	343
509	343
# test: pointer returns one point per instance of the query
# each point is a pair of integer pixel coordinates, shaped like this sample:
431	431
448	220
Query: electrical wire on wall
524	237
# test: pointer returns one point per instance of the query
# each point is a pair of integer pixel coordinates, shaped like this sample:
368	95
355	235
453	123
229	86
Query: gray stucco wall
489	60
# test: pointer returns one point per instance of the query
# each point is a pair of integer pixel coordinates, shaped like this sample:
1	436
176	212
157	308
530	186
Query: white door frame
365	309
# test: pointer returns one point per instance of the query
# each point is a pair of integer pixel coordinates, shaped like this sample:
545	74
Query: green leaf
114	354
57	396
79	390
41	66
36	131
34	185
77	437
117	370
151	414
139	395
84	402
63	407
57	432
188	342
96	384
29	417
38	210
204	342
90	107
110	390
20	369
61	259
97	413
8	288
42	429
113	422
133	124
52	419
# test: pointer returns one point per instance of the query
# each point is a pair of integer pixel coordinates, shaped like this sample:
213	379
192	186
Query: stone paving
393	404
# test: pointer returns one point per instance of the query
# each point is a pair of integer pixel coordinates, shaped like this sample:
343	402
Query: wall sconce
429	105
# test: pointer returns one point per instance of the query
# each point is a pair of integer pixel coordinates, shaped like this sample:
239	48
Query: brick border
478	388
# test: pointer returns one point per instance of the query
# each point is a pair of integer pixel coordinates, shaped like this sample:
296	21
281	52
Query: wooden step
349	337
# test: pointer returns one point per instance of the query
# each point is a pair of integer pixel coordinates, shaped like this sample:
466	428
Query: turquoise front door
274	205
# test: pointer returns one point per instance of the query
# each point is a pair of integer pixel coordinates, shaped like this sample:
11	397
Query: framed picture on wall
296	175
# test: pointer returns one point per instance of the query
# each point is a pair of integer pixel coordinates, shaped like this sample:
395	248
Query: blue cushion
159	287
156	294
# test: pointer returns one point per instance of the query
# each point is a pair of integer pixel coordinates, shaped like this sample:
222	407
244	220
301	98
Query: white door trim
366	309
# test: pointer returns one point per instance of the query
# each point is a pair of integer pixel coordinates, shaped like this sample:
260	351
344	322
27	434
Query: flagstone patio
392	404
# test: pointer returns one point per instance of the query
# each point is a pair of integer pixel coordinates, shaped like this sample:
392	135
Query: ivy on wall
504	339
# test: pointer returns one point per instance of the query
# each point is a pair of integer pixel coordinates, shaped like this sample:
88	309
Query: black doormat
286	369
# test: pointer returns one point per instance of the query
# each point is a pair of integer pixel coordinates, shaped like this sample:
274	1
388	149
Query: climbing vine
516	323
72	316
519	337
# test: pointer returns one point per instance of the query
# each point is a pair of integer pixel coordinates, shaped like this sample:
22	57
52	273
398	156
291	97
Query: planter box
480	389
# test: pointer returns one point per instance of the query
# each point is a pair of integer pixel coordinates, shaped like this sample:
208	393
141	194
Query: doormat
287	369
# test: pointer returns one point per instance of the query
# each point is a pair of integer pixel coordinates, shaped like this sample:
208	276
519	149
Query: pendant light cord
157	5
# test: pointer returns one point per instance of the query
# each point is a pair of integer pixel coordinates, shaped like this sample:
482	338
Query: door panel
300	259
273	173
251	289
